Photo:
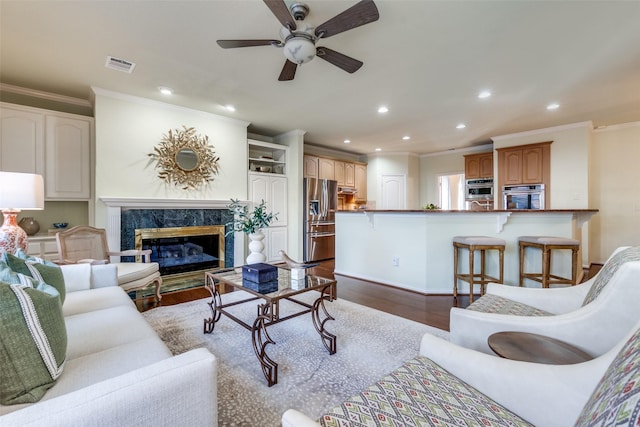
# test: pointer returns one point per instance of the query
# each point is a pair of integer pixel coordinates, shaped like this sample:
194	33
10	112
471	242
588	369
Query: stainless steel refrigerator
320	204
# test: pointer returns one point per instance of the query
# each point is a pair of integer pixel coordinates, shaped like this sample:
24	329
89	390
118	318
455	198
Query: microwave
523	196
479	189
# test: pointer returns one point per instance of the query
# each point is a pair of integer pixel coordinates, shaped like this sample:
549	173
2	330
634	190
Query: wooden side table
528	347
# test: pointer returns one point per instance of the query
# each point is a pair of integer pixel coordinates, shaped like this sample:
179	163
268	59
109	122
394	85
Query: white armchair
592	316
85	244
603	391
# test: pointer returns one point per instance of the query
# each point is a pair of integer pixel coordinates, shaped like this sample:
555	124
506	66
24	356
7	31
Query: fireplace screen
183	249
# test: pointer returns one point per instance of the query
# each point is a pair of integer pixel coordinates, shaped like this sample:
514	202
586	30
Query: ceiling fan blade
288	71
229	44
338	59
281	11
359	14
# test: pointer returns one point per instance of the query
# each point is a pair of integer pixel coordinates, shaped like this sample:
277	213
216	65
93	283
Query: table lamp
18	191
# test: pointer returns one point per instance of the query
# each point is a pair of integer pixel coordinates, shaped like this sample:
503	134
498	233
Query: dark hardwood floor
432	310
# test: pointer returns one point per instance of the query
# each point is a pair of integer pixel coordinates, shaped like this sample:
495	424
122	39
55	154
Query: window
451	192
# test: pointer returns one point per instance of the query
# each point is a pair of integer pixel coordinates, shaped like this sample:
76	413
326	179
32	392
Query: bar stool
546	245
472	244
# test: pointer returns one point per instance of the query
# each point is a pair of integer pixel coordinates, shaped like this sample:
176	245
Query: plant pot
256	248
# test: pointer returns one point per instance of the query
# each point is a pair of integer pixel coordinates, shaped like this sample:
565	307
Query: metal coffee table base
269	314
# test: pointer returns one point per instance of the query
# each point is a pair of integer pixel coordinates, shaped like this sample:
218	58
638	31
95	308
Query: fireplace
184	249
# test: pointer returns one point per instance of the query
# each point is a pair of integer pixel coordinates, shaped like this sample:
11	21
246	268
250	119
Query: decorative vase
29	225
255	248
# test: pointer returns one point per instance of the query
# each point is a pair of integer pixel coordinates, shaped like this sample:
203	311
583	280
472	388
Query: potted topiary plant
251	224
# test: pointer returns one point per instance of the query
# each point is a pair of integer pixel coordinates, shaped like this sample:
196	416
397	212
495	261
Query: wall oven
523	196
479	189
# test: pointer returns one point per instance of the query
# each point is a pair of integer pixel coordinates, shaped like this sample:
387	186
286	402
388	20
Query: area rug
370	344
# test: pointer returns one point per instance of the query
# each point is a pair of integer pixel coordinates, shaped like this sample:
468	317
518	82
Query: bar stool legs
472	244
547	245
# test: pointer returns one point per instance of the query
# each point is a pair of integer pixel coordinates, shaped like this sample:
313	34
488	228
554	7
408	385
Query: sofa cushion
33	343
95	299
616	398
609	269
419	393
490	303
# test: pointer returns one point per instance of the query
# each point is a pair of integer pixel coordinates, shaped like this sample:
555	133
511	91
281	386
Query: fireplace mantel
115	205
148	203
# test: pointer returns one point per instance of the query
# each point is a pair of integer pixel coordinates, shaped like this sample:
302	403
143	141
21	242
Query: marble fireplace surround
116	206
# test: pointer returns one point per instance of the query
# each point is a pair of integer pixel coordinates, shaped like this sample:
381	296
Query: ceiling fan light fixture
299	50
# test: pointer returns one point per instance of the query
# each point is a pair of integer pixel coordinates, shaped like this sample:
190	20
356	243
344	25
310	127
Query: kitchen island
412	249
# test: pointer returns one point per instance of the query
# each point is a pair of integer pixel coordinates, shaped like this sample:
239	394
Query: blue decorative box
259	273
262	287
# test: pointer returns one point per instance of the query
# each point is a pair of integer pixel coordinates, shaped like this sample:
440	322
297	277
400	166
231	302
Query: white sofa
592	316
118	372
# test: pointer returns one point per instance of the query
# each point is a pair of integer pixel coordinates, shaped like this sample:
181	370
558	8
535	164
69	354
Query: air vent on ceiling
120	64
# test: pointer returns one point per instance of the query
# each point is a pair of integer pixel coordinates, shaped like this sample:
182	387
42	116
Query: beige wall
615	189
433	166
128	128
392	164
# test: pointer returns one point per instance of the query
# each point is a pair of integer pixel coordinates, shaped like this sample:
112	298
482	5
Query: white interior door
394	195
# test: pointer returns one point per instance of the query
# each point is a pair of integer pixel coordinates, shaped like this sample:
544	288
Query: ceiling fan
300	37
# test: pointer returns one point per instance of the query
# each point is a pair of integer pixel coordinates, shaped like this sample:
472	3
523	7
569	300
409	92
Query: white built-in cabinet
271	187
54	145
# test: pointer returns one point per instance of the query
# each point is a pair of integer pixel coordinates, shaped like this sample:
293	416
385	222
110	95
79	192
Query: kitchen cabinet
478	166
271	188
525	164
67	153
326	168
349	175
310	169
52	144
338	171
360	172
267	157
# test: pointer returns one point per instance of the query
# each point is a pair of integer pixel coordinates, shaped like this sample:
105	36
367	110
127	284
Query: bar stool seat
547	244
472	244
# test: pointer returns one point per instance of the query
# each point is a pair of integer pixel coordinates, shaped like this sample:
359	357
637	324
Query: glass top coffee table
268	312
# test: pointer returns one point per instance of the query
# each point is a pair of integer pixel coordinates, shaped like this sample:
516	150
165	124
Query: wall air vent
120	64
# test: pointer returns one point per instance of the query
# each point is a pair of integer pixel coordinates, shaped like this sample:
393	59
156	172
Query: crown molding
475	148
4	87
587	125
620	126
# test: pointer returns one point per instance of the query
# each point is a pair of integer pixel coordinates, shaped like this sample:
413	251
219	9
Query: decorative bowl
60	224
265	168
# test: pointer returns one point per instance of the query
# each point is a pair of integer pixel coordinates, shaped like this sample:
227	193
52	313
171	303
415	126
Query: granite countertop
440	211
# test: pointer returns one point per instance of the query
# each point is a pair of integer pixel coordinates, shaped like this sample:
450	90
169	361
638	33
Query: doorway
451	192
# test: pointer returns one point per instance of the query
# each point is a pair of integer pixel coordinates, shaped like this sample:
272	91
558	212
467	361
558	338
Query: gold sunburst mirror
185	158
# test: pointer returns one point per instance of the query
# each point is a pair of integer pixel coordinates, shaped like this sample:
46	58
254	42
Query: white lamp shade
20	191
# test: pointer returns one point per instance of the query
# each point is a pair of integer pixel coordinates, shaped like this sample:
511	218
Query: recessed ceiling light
378	149
165	90
461	126
484	94
347	141
230	108
553	106
406	138
383	109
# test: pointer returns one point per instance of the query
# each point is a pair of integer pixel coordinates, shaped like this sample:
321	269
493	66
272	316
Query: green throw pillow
38	268
33	343
9	276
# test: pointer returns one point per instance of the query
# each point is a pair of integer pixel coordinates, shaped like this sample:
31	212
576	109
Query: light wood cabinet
310	169
326	168
478	165
361	181
349	174
338	171
533	165
67	150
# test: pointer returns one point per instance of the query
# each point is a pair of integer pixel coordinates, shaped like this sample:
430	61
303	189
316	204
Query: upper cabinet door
326	168
532	165
349	174
310	166
512	167
68	145
486	165
21	141
338	171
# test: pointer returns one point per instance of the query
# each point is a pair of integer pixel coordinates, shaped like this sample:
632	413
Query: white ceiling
425	60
